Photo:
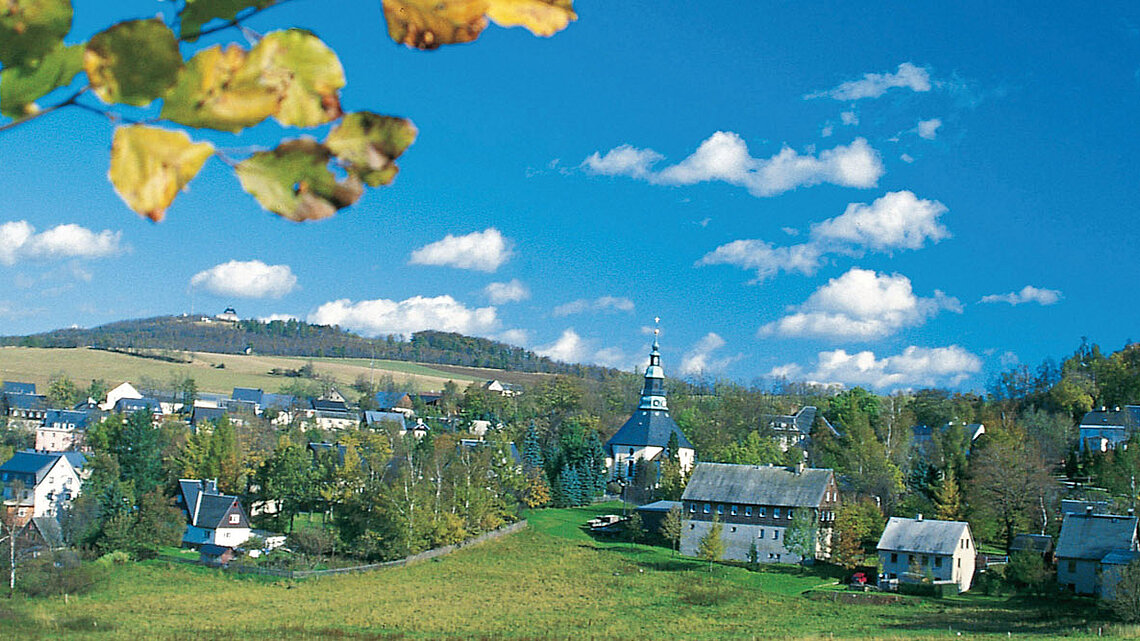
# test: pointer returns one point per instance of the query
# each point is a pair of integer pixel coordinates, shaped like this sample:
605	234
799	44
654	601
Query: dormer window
235	519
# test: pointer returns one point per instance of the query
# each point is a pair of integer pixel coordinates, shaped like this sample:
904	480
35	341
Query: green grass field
550	582
38	365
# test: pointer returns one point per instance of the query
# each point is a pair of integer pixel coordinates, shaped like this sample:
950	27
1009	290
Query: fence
415	558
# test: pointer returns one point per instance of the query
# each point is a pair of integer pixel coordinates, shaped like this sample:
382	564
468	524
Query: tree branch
70	101
236	21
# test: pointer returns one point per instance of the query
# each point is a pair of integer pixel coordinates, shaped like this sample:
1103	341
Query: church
645	436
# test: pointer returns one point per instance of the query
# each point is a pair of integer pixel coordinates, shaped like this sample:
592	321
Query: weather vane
656	321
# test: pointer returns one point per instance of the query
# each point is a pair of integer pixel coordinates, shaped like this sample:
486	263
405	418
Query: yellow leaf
150	165
370	143
218	90
427	24
305	71
294	181
542	17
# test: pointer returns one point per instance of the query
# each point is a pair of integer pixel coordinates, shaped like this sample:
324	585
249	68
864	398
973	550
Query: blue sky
836	193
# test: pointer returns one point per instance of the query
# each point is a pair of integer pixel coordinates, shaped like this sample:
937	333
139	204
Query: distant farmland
38	365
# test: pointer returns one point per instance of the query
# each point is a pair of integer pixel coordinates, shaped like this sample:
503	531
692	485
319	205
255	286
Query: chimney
800	467
1088	510
919	517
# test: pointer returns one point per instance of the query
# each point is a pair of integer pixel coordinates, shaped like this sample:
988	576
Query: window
235	519
775	512
748	511
720	509
708	508
733	511
937	561
692	526
1072	566
894	557
22	512
692	508
734	528
789	513
775	535
761	534
763	512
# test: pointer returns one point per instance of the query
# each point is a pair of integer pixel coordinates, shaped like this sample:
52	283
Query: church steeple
653	393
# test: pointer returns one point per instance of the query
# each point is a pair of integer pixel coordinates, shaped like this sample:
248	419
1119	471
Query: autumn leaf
30	29
133	62
150	165
305	71
427	24
20	87
541	17
370	144
197	13
294	180
218	89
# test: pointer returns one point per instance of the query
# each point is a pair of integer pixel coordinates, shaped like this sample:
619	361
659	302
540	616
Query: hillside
298	338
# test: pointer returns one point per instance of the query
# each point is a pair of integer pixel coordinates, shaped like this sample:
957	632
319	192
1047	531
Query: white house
62	430
126	390
38	484
212	518
1088	543
914	549
645	436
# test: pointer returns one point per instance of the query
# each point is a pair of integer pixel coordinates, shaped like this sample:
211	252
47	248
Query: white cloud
873	85
380	317
572	348
907	158
915	366
700	360
898	220
19	241
482	250
766	259
518	337
724	157
861	304
928	129
1028	294
246	279
604	303
509	292
849	118
277	317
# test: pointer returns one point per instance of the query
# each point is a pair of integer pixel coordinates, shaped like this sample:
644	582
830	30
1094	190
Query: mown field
38	365
551	582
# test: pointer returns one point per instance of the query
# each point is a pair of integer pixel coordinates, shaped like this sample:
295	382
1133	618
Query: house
1111	566
16	387
124	390
430	399
1039	544
37	484
215	555
248	394
199	416
376	419
1085	542
62	430
755	504
794	430
26	407
212	517
1076	506
922	436
1103	429
645	436
913	549
394	402
132	405
501	388
42	532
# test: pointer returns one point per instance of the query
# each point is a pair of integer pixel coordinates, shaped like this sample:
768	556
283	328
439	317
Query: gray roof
27	401
29	466
205	507
1127	417
203	414
48	529
1120	557
1040	543
801	421
648	427
373	417
659	506
77	459
277	401
923	537
757	485
1090	537
388	400
66	417
16	387
1074	506
248	394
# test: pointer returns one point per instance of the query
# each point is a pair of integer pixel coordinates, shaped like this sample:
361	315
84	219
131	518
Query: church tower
645	436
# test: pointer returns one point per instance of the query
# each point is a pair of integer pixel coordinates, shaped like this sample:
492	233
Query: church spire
653	393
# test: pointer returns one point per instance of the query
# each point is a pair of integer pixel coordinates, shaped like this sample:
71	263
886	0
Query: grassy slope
551	581
81	365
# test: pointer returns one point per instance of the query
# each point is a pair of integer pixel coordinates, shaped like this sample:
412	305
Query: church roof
650	424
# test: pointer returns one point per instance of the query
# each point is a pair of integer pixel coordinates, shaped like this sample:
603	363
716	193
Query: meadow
38	365
552	581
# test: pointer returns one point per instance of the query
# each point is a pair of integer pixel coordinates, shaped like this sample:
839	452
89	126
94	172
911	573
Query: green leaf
370	144
20	87
150	165
294	181
30	29
133	62
198	13
219	90
305	71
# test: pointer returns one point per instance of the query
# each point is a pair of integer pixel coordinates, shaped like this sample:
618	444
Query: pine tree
595	466
948	498
532	449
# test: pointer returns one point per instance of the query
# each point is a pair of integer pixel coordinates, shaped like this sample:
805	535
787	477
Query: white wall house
125	390
917	549
212	518
38	484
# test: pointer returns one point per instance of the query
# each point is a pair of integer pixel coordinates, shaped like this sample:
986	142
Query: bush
55	574
312	541
118	557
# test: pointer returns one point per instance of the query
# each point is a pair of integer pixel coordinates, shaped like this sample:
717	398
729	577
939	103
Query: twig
70	101
236	21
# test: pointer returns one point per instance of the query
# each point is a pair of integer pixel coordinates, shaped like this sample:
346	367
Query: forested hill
298	338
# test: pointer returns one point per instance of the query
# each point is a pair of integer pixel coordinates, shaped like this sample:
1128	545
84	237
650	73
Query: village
783	511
